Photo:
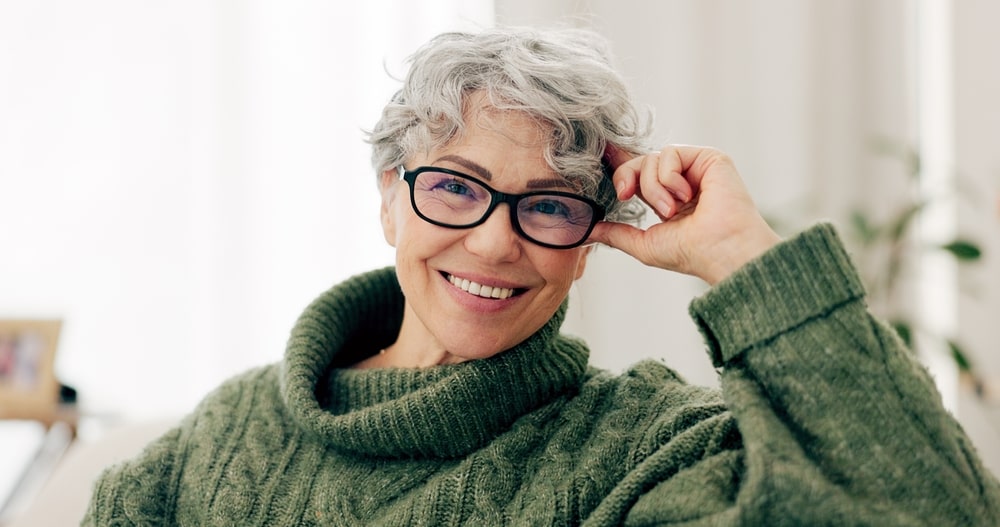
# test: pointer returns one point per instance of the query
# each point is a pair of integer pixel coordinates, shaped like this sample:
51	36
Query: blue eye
447	186
550	208
548	211
454	186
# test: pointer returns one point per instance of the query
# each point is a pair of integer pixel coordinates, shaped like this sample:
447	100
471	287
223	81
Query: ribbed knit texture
400	413
823	419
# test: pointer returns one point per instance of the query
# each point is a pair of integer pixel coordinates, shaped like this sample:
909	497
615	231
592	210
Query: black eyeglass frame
496	198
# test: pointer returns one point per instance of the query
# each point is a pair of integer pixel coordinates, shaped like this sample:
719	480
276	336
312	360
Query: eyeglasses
447	198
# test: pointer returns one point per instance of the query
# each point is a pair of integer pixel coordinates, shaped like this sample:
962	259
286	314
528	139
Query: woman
440	391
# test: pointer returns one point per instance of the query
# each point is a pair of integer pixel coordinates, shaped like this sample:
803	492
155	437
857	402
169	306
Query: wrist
735	252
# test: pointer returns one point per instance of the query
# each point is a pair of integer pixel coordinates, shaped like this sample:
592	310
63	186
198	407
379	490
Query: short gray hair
561	77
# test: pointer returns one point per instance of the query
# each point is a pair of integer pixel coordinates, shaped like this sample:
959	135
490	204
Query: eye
454	186
545	211
550	208
450	186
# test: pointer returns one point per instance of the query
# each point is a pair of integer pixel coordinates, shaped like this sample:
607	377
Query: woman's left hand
709	225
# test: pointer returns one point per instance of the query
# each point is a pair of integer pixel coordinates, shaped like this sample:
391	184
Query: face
444	317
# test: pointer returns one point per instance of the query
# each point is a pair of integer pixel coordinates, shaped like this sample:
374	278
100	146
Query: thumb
624	237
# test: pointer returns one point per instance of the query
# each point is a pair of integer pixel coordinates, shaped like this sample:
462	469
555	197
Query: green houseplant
888	247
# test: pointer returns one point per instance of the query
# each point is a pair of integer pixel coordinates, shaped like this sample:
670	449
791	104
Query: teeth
477	289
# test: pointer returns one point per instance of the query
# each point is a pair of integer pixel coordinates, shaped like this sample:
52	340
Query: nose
495	239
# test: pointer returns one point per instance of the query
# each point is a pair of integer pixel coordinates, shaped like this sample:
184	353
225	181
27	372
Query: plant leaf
904	219
908	155
864	229
903	330
963	250
960	357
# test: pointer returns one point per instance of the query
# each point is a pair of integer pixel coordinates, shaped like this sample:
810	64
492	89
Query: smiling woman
444	323
408	396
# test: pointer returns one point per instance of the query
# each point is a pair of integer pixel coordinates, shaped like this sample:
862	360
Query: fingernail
665	208
620	187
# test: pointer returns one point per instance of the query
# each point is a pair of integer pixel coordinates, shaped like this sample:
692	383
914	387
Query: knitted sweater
822	419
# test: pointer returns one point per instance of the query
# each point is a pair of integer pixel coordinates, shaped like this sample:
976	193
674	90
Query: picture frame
29	388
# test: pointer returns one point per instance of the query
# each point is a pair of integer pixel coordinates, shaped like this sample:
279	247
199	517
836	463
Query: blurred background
179	179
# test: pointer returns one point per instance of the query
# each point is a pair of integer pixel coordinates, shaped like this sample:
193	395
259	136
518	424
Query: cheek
561	268
405	222
416	240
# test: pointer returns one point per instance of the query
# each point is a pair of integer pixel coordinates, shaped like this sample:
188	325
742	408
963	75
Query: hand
709	226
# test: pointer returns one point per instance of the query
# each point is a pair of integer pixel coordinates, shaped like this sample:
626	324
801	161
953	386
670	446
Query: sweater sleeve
840	424
140	491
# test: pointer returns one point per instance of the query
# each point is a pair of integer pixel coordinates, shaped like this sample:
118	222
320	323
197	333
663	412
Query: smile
475	288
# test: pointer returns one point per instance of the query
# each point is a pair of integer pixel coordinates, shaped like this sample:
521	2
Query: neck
396	356
414	348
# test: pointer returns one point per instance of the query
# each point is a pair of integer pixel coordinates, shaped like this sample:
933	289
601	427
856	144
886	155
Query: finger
676	174
621	236
674	178
626	177
694	162
627	238
652	187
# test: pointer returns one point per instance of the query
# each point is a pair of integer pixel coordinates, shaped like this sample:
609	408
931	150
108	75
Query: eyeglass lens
456	201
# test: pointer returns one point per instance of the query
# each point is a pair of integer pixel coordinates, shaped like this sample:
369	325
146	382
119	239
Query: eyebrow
549	183
471	165
484	173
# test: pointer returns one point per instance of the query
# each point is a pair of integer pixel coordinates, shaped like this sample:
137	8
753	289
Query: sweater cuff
797	280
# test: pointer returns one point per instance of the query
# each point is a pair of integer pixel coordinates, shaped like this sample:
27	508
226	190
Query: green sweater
822	419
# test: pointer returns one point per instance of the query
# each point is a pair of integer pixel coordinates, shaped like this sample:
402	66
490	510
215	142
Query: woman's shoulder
650	380
245	409
648	394
255	383
645	407
252	395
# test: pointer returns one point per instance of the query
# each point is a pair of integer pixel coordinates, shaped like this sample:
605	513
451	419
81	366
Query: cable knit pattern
823	419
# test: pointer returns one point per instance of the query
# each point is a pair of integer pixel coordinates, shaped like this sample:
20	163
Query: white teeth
477	289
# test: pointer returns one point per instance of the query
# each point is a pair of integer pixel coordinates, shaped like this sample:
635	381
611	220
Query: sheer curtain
179	179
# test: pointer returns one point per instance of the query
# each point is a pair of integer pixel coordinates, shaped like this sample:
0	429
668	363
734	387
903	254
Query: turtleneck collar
442	411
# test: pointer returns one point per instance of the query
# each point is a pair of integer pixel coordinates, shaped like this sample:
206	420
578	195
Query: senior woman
440	391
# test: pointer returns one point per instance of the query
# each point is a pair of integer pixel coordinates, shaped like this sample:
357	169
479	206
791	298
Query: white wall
179	179
977	162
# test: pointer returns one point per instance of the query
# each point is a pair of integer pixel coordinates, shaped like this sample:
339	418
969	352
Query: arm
838	422
837	418
140	491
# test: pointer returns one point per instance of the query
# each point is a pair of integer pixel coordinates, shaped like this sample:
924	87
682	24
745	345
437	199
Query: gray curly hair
563	78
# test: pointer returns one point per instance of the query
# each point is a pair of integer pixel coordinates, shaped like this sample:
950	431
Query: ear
388	185
581	264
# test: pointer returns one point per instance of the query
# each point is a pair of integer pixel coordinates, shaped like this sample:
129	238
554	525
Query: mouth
481	290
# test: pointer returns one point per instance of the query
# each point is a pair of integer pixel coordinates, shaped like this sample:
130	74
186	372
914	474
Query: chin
477	350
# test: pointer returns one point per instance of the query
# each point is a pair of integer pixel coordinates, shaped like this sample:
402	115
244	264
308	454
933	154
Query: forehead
499	140
475	169
520	130
509	144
